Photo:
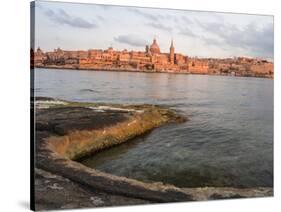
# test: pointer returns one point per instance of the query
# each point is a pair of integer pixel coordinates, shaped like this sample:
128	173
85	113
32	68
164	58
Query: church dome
154	48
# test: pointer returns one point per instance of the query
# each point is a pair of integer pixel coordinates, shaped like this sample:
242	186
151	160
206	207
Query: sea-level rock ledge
68	131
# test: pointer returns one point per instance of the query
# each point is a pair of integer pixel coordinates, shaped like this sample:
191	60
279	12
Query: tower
146	49
172	53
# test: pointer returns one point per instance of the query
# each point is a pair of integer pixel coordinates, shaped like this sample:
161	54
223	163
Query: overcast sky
73	26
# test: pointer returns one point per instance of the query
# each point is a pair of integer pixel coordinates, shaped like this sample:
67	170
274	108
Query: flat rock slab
62	120
55	192
59	118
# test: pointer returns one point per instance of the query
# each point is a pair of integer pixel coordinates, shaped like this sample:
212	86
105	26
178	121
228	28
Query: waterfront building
150	60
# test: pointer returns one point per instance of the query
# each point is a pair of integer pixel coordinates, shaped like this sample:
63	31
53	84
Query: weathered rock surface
55	192
68	131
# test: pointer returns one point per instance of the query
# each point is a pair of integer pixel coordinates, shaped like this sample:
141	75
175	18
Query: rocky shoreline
69	131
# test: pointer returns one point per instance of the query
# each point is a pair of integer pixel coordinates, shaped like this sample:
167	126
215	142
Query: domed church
154	48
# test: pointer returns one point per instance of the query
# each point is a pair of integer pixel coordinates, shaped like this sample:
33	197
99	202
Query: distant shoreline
142	71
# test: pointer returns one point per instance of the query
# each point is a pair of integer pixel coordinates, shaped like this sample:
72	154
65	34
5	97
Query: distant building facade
150	60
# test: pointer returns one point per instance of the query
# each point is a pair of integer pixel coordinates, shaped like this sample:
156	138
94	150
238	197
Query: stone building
198	66
38	57
152	60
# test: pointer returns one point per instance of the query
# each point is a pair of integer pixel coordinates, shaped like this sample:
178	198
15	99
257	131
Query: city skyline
203	34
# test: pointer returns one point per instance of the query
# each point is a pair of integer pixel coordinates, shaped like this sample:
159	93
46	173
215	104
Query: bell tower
172	53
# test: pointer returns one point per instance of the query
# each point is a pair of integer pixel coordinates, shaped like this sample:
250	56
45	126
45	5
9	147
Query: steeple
172	53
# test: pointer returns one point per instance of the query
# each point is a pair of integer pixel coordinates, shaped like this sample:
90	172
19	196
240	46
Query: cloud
187	32
62	17
160	26
100	18
131	40
257	41
211	41
252	39
186	20
103	6
144	14
154	17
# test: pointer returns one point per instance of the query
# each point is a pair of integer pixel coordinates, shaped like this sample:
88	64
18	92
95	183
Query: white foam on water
103	108
46	104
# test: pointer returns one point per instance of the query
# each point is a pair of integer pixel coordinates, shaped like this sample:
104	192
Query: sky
74	26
